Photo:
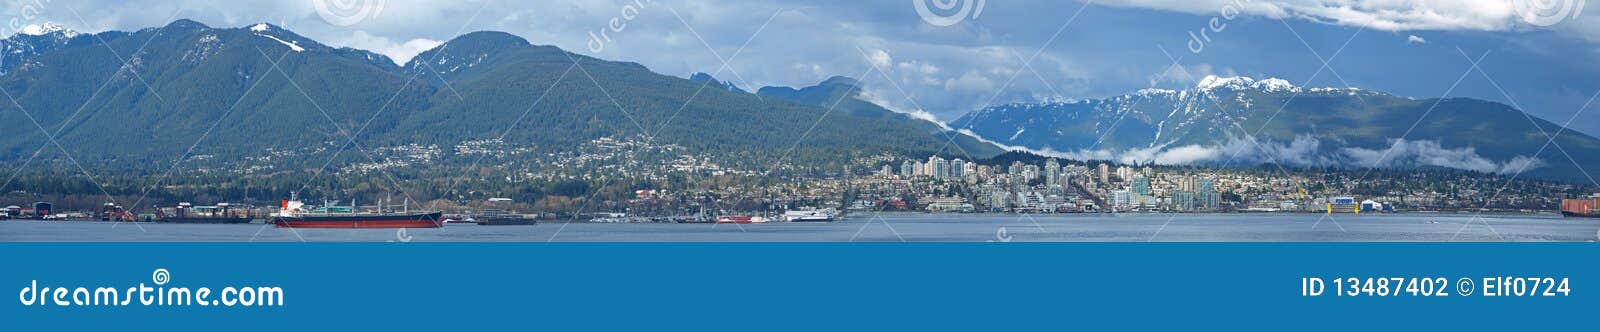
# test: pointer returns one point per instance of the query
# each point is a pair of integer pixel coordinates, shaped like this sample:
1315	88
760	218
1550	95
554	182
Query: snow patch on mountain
291	46
261	29
207	45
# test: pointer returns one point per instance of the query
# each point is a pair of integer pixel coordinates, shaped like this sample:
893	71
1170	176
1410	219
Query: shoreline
945	215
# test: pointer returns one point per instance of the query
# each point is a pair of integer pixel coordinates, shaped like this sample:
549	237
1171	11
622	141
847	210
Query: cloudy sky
947	61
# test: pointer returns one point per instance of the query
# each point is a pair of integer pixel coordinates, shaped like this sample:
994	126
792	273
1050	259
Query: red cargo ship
1582	207
295	214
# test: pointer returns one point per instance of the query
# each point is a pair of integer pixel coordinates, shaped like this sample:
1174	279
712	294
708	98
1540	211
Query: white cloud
1185	155
1413	39
881	60
1520	164
1305	151
919	67
919	72
400	52
1042	152
971	81
947	71
1402	153
1387	15
878	97
1188	75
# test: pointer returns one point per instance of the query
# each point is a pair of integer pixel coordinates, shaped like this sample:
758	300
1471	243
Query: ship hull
1570	214
422	220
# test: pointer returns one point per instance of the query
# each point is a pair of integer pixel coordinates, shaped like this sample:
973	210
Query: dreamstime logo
161	276
947	14
347	12
159	295
401	236
1001	235
1548	12
1198	39
599	38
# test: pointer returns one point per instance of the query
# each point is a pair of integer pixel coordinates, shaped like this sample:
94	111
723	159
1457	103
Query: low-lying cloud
1306	151
1303	151
1404	153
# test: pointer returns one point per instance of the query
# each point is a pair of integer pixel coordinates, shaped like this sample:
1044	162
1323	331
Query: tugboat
114	212
186	213
295	214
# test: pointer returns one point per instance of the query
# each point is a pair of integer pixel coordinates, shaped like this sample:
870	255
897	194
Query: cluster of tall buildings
939	168
1053	173
1186	193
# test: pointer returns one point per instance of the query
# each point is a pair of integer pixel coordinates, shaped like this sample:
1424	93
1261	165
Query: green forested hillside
473	87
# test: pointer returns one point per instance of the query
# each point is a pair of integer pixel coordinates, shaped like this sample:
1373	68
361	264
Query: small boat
459	220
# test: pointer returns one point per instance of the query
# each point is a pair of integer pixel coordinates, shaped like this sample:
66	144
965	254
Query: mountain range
144	98
1244	121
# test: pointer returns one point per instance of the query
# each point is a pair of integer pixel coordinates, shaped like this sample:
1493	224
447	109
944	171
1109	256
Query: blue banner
814	287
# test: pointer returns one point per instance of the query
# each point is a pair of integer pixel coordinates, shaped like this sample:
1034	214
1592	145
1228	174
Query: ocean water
886	228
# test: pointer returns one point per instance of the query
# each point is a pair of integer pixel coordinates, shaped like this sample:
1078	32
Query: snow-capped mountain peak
47	28
1244	121
1213	82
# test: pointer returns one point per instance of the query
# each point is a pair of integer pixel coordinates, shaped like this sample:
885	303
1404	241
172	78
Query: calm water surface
885	228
